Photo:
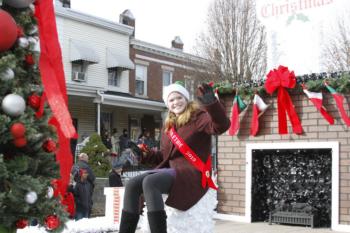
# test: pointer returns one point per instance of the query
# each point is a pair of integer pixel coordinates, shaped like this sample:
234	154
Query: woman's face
177	103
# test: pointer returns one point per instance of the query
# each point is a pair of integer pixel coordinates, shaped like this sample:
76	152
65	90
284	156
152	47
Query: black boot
128	222
157	221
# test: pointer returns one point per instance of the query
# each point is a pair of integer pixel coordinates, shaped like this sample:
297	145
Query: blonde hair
181	120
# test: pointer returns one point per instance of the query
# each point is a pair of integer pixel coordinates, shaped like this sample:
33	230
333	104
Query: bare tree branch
336	53
235	42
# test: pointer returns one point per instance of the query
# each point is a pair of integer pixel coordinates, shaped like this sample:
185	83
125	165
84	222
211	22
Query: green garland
314	82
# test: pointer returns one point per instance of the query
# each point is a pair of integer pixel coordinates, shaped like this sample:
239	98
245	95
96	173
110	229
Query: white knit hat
174	88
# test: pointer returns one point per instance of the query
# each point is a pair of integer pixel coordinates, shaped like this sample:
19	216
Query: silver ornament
23	42
19	3
13	105
50	192
31	197
8	74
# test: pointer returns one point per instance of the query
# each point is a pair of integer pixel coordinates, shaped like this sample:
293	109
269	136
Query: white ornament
8	74
19	3
23	42
34	45
50	192
13	105
31	197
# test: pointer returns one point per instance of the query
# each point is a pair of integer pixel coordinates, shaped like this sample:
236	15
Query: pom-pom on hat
175	87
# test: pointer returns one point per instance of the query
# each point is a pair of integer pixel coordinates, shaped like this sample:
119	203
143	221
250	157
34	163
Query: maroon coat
187	189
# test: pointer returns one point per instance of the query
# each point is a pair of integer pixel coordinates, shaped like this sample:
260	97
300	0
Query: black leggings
152	185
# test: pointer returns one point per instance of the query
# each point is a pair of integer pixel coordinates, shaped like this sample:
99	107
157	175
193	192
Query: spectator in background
82	163
145	138
114	141
107	140
114	177
82	195
124	141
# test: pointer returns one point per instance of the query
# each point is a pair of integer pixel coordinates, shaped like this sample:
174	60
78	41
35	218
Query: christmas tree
34	139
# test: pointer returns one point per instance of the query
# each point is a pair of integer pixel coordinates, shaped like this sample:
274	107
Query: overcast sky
157	21
297	44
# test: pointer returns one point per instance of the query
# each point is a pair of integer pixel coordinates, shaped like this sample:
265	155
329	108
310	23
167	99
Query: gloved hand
205	94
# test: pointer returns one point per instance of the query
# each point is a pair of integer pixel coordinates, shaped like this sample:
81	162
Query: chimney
177	43
127	18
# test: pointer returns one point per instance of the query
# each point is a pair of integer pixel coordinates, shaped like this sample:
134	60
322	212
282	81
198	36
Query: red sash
193	158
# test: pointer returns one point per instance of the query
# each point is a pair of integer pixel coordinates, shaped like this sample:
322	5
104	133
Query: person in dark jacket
124	140
82	197
82	163
175	175
114	178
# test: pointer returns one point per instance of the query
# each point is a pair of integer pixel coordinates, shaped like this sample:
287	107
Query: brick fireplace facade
233	154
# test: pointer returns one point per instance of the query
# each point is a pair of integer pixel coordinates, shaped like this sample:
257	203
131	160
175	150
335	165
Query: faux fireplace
294	184
282	179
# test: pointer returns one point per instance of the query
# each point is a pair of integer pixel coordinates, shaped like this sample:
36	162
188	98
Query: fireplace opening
292	180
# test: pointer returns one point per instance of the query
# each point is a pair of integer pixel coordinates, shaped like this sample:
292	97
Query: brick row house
114	80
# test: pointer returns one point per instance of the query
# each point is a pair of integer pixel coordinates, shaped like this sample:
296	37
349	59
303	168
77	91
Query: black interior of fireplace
288	176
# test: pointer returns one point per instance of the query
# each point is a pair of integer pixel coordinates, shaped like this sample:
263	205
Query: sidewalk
222	226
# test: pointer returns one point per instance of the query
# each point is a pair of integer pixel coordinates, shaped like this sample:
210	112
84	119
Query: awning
80	50
117	59
132	102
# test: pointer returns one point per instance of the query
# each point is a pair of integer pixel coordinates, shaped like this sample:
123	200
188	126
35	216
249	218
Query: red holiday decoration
20	142
281	79
52	76
68	201
52	222
18	130
8	29
29	59
21	223
34	101
49	145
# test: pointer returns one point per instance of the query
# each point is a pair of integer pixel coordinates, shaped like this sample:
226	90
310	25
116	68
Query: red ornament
34	101
20	142
29	59
21	223
18	130
8	29
52	222
49	145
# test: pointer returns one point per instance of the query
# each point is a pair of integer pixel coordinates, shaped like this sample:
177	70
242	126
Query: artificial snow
198	219
85	225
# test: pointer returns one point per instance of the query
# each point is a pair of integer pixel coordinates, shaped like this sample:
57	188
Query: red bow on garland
280	79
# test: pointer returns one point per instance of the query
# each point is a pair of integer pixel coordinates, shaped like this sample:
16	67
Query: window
167	77
79	71
189	85
114	77
141	80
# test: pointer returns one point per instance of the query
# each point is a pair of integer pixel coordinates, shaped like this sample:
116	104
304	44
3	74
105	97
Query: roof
92	20
164	51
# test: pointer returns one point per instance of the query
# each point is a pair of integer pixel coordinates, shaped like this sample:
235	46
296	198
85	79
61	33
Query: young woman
175	174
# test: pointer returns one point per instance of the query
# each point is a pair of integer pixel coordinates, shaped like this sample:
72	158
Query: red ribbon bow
280	79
